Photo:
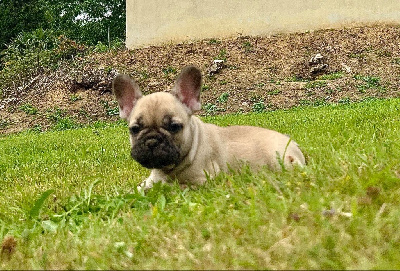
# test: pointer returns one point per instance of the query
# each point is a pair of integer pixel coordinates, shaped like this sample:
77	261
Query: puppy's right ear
127	93
188	87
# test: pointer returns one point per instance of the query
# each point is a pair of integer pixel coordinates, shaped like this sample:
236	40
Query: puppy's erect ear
127	92
188	87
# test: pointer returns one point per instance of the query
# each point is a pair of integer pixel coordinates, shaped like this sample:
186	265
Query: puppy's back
258	146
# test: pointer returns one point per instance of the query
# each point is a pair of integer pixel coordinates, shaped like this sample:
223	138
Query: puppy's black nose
151	143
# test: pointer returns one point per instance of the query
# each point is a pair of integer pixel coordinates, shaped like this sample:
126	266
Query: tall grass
68	200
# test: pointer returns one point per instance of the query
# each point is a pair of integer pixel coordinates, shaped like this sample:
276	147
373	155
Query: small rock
317	64
373	191
153	84
216	67
294	216
321	68
365	200
346	214
317	59
329	213
346	68
8	246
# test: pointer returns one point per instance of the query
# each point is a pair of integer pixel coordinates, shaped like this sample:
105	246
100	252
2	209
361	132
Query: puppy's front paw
145	185
154	177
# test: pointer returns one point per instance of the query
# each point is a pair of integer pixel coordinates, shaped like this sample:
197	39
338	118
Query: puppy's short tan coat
166	137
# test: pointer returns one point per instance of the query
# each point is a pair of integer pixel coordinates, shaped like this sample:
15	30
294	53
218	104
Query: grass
169	70
222	55
369	82
68	200
331	76
74	98
274	92
223	98
259	107
210	108
248	47
4	123
316	84
28	109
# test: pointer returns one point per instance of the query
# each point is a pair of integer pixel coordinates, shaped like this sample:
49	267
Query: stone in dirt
216	67
318	65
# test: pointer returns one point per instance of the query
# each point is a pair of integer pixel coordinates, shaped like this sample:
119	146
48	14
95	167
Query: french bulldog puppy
167	138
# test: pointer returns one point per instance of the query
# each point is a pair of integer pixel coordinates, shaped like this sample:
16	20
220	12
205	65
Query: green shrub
101	47
32	53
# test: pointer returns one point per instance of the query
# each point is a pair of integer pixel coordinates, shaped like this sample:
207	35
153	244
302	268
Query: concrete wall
152	22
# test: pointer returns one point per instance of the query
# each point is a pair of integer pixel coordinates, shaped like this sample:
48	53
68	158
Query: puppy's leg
155	177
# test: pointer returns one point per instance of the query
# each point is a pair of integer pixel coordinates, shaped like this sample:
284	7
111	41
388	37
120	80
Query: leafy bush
18	16
373	82
101	47
31	53
87	21
68	49
27	52
110	110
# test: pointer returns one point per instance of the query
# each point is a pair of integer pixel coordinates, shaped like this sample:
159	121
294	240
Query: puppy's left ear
127	93
188	87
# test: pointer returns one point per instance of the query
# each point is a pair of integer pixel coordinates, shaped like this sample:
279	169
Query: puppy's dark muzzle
155	151
152	142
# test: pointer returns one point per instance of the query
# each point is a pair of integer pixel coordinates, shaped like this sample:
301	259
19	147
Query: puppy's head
159	123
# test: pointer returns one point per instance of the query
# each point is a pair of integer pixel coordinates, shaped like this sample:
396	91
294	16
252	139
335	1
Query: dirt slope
260	73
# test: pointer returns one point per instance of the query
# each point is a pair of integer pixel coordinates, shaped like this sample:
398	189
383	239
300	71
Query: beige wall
152	22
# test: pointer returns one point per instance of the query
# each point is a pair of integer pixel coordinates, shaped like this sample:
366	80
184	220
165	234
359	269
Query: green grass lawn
68	199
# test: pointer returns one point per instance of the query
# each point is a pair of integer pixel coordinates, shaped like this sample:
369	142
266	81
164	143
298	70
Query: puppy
167	138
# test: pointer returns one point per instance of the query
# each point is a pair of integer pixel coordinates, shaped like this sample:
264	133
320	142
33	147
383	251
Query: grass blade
34	212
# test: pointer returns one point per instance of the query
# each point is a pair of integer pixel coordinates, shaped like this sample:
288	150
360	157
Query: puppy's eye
174	127
134	129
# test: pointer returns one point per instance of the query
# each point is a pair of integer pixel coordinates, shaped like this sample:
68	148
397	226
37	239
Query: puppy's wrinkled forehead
153	108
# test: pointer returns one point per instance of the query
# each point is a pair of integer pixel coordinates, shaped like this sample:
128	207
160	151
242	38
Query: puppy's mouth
156	152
